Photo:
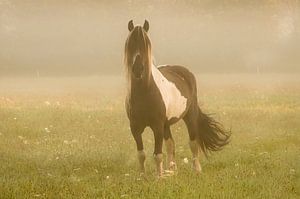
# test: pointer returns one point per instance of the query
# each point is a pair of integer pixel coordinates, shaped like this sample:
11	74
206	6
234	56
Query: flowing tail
211	134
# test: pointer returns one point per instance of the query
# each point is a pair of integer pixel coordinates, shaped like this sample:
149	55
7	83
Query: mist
83	38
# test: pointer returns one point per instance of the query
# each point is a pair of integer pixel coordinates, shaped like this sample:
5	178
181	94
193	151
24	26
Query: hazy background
79	38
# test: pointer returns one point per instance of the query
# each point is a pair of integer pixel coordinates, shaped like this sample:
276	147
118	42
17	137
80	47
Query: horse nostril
137	67
137	70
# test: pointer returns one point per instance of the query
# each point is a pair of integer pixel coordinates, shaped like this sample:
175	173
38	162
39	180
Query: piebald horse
158	97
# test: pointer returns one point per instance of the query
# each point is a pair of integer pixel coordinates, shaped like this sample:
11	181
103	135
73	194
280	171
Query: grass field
70	138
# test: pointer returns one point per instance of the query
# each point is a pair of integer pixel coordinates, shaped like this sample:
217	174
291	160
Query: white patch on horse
174	102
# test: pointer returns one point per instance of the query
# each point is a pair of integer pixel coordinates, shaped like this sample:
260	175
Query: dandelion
185	160
74	141
107	177
292	171
20	137
66	142
92	137
262	153
74	178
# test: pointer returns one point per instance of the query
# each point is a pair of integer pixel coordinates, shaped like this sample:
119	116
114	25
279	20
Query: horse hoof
172	166
169	173
198	171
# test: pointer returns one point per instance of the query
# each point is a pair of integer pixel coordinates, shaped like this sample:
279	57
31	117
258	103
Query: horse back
184	80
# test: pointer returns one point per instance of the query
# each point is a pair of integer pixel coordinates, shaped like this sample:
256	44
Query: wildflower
185	160
47	130
74	178
262	153
66	142
20	137
292	171
107	177
127	174
47	103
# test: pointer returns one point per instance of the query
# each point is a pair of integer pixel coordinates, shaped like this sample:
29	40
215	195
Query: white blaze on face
174	102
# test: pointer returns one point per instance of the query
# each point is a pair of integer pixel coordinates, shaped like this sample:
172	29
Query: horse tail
211	134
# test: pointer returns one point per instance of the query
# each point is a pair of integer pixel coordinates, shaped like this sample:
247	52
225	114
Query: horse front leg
158	156
137	135
170	148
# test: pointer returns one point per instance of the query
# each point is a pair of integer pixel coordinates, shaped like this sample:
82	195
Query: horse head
138	52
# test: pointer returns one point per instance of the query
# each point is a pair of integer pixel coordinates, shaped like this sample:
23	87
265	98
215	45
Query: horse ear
146	26
130	25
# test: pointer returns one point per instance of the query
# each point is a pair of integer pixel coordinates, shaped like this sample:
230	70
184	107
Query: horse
158	97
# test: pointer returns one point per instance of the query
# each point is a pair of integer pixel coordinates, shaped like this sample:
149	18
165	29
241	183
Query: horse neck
143	85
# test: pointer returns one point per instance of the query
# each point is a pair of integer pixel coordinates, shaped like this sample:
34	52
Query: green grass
88	151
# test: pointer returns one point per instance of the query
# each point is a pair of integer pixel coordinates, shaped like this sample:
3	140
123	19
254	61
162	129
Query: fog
83	38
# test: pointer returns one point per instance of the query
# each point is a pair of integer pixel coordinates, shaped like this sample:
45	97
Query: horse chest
145	106
175	103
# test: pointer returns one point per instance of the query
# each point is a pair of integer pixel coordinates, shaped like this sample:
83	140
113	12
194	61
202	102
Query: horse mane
138	42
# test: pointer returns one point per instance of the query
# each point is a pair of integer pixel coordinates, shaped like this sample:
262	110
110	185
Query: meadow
70	138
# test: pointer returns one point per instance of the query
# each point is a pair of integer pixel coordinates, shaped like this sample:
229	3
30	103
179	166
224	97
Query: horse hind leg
170	149
194	146
191	121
